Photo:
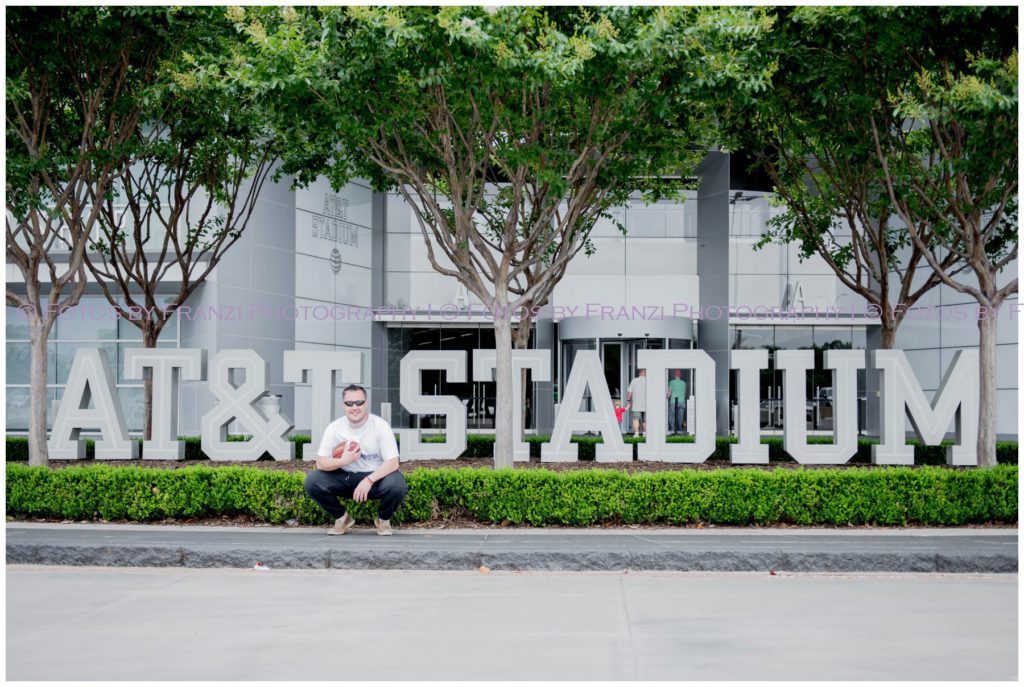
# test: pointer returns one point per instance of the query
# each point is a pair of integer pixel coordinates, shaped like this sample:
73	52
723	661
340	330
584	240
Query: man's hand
348	453
362	491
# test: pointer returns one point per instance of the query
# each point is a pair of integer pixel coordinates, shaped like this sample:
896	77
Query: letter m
955	401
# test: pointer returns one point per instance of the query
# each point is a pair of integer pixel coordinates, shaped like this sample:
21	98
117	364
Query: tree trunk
503	379
987	390
37	450
888	335
149	338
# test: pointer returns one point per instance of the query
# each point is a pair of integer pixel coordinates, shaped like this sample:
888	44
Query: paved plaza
83	623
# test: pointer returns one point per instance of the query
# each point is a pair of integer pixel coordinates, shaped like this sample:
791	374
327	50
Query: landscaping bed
858	496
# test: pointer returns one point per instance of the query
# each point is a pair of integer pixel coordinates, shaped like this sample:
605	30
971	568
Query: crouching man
358	460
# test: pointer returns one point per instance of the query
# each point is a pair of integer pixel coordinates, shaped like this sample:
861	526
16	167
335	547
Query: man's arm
340	457
384	470
389	448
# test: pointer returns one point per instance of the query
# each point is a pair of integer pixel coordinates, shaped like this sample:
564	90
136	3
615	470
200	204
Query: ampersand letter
267	426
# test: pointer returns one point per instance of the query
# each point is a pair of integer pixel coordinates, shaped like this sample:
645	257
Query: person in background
676	396
636	396
619	412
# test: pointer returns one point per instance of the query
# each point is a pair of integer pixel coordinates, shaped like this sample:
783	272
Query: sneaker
636	435
383	527
342	525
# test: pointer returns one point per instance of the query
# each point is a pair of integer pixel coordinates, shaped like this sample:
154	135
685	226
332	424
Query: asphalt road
84	623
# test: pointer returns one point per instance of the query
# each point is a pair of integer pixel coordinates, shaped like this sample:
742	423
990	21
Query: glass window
479	397
18	403
128	331
793	337
17	406
133	404
119	364
17	324
748	338
859	337
93	319
570	348
66	356
19	363
832	337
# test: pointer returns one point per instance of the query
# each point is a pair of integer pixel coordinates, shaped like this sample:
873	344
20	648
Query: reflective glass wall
819	338
478	397
93	324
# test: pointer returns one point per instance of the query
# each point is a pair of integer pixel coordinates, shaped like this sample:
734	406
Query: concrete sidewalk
717	549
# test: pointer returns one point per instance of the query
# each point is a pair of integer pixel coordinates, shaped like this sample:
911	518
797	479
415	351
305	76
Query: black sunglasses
354	403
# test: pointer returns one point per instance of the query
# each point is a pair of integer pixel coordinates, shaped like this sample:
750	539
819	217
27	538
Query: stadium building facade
326	270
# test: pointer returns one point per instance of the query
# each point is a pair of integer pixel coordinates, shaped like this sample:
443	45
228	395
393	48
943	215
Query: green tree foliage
834	70
510	130
77	81
891	136
193	171
950	163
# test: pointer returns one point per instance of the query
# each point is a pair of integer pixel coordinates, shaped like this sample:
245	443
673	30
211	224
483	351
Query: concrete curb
398	558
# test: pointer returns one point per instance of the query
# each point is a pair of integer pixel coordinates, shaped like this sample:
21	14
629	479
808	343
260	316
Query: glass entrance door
614	374
630	348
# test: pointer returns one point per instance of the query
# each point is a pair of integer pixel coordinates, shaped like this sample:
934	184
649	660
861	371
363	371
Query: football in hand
342	447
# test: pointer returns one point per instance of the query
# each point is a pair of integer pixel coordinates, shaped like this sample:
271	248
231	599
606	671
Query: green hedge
482	445
733	496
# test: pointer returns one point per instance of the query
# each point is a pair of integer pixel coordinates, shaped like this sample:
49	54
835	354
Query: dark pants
326	487
676	413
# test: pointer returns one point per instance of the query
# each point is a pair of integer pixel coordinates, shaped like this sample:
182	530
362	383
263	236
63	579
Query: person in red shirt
619	411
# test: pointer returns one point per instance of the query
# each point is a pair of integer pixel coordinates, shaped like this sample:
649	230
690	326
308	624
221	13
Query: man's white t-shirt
638	401
375	438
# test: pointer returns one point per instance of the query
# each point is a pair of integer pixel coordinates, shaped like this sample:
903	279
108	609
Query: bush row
734	496
482	446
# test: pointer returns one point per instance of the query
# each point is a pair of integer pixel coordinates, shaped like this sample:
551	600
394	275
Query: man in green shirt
676	402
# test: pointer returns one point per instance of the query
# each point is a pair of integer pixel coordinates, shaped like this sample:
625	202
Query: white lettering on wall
586	372
748	366
657	364
331	224
168	369
539	364
91	379
844	366
413	399
955	401
236	403
322	370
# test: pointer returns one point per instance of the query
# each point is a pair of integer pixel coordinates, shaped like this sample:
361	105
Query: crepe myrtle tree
950	166
77	81
897	125
509	130
839	70
195	168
